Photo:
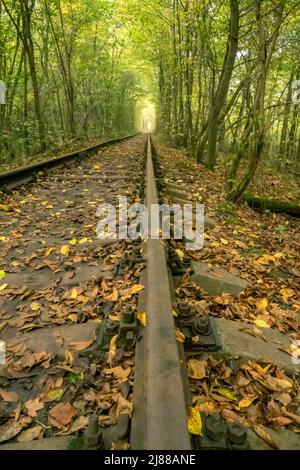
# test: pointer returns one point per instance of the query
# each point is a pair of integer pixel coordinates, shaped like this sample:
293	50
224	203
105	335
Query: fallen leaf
179	336
226	393
265	436
30	434
3	286
261	304
118	372
112	349
280	421
10	430
32	406
142	317
285	293
197	369
262	324
9	397
137	288
113	297
2	274
62	413
81	345
35	306
65	250
194	422
55	394
247	401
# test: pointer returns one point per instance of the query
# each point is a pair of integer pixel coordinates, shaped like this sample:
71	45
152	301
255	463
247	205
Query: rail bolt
93	436
185	310
187	261
111	328
202	326
214	427
237	433
128	315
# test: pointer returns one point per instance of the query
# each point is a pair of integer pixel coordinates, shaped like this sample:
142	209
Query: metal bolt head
187	261
128	315
202	325
185	310
237	433
92	435
214	427
111	328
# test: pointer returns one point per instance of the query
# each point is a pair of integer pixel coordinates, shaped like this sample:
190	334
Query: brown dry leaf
280	421
287	294
293	416
113	297
179	336
197	369
112	349
79	424
62	413
247	401
30	434
32	406
81	345
9	396
279	384
10	430
259	430
118	372
137	288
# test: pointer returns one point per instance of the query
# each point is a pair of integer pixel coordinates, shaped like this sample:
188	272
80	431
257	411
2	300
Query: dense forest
222	77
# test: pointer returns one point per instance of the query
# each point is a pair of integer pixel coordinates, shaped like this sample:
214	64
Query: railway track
96	334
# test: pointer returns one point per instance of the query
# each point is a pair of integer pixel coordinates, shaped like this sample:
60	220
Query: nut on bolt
237	433
214	427
93	436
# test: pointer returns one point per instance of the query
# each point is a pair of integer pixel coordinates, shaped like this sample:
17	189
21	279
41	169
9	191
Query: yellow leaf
97	167
261	323
69	357
197	369
261	304
180	254
65	250
142	317
180	337
35	306
49	206
113	297
74	294
247	401
175	314
224	241
215	244
73	317
3	208
3	286
226	393
194	422
137	288
82	241
285	293
2	274
55	394
73	242
49	251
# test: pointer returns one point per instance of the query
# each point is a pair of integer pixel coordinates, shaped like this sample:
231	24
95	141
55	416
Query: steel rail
13	178
160	412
